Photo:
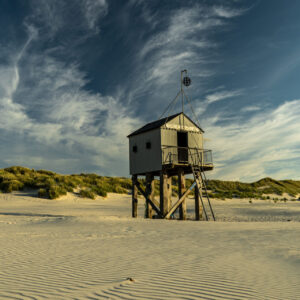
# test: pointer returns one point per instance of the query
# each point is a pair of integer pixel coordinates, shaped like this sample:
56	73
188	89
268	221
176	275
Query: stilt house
171	146
166	143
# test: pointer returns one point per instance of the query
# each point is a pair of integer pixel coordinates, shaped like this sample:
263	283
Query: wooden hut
171	146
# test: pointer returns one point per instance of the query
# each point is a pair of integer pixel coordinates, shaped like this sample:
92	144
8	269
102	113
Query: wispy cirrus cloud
251	108
79	16
219	95
251	149
226	12
68	117
52	116
178	45
45	105
184	41
93	11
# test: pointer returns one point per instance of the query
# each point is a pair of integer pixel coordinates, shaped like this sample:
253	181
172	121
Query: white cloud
250	108
44	105
227	12
145	12
249	150
178	45
93	10
215	97
70	16
222	95
184	41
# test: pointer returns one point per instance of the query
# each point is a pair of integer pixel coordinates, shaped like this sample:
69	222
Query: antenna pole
182	97
181	89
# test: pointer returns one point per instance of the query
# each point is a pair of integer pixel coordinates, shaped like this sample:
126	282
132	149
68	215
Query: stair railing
204	180
199	187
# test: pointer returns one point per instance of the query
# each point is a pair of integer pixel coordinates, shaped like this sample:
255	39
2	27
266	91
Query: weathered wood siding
169	136
195	140
151	160
145	160
182	123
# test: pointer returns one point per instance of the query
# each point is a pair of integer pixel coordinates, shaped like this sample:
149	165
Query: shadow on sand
29	215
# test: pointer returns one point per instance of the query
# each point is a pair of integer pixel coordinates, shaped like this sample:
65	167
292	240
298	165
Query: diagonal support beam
155	202
148	200
175	206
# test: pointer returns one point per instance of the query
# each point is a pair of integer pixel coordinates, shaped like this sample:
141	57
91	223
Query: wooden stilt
179	201
150	194
181	191
170	192
154	203
134	196
164	193
198	206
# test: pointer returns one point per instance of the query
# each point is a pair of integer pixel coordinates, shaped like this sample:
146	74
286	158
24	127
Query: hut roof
159	123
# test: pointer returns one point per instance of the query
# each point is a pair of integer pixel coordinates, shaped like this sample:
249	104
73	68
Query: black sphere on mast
186	81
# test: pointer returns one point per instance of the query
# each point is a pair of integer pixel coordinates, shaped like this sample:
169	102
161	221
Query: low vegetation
52	185
257	190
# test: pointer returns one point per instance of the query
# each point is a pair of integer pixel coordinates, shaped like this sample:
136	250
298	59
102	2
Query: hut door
182	144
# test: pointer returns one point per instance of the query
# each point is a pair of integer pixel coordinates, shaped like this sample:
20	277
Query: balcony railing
185	155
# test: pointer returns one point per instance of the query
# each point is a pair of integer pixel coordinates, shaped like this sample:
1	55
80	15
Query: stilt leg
134	196
181	190
170	193
198	206
164	193
150	194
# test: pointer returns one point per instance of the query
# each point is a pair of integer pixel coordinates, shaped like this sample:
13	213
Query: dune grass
52	185
259	189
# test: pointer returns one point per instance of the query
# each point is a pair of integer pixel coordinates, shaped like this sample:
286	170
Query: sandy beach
76	248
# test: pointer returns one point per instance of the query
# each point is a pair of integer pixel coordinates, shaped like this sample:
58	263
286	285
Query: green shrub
47	182
16	177
45	172
119	190
18	170
4	176
87	194
12	185
42	193
99	191
55	191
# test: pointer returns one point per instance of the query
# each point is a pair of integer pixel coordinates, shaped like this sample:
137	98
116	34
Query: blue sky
76	77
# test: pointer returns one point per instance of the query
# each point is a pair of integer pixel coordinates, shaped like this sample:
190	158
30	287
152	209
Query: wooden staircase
200	180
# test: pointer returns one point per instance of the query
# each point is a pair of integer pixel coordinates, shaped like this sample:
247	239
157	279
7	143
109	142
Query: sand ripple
74	252
74	259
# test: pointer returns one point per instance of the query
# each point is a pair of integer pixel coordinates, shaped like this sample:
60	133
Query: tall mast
184	81
181	90
182	98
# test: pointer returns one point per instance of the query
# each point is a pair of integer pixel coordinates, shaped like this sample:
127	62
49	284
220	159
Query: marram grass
52	185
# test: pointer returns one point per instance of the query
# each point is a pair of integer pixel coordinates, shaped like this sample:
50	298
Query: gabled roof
158	124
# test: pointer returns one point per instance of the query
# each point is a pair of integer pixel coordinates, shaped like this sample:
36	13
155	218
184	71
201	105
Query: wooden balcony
184	157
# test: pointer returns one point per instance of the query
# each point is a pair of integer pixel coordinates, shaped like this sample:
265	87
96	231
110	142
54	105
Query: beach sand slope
91	249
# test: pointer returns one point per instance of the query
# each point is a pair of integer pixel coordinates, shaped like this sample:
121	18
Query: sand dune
84	249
